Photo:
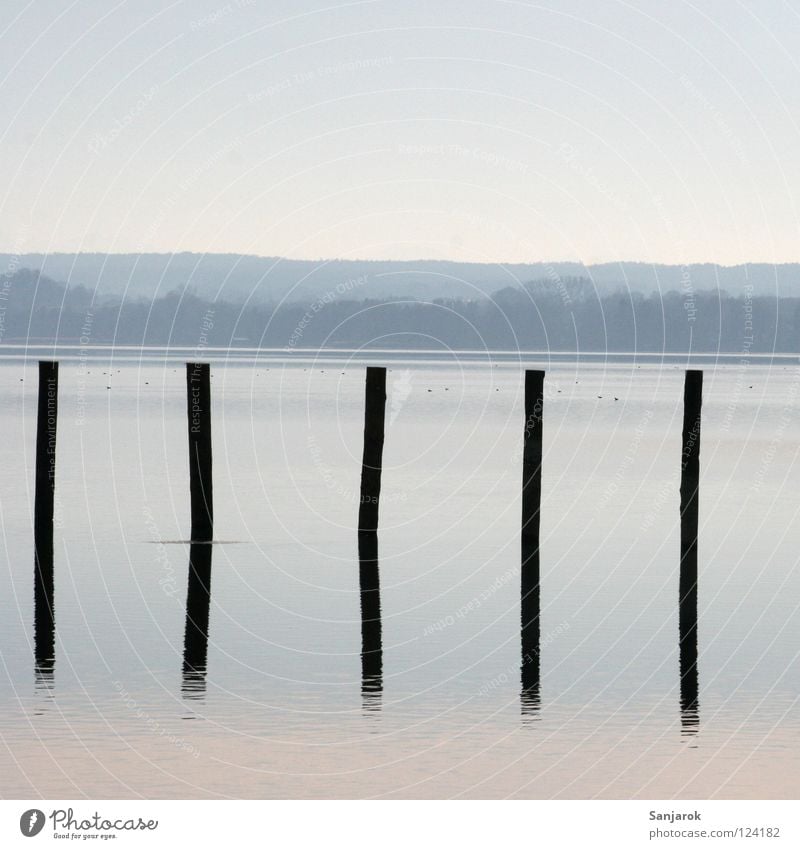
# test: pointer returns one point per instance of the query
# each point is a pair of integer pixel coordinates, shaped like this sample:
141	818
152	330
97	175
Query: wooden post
687	593
371	630
44	582
198	592
374	417
198	390
531	508
369	578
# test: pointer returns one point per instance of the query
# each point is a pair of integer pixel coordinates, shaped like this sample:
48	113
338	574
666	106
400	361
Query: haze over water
280	710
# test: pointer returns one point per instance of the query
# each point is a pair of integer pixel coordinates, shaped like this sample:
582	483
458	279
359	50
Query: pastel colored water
280	711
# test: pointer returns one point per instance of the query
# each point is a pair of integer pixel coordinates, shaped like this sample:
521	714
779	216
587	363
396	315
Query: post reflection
690	685
44	626
198	602
687	618
371	632
530	599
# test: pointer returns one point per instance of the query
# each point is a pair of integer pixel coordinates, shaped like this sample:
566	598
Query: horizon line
330	260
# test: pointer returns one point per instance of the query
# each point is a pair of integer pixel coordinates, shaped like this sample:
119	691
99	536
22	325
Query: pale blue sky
480	130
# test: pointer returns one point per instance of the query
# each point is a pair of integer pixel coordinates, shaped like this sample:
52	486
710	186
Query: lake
280	709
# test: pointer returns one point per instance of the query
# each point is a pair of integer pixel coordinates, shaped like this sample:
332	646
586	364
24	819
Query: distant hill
543	315
237	278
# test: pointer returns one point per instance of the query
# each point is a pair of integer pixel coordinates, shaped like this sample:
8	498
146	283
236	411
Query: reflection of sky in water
281	710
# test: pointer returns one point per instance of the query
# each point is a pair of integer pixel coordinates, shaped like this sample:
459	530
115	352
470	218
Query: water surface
282	706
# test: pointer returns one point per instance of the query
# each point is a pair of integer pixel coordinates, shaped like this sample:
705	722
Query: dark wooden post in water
371	465
44	611
198	391
198	593
368	510
531	504
687	605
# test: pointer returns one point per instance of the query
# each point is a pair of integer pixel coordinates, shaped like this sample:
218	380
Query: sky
471	130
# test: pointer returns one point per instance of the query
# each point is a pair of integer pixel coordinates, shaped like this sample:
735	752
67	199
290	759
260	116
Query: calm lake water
280	711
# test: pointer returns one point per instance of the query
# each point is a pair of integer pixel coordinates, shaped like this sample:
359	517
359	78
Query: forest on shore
565	315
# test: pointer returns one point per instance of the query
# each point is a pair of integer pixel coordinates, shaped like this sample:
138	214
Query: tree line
555	315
